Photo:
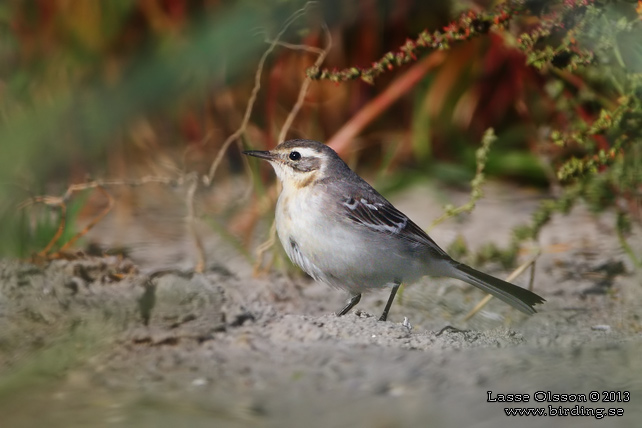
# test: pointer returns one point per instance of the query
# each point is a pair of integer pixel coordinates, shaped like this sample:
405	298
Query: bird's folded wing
380	215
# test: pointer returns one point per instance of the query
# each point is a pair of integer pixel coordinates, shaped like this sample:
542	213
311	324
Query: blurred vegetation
125	89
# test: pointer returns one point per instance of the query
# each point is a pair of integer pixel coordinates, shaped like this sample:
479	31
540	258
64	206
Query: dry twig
190	220
207	180
93	222
61	203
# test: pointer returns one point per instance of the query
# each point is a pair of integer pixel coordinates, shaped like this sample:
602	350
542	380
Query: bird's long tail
518	297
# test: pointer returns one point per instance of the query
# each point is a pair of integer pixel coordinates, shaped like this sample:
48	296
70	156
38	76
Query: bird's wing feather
376	213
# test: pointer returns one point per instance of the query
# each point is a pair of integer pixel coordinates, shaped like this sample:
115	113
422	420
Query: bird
342	232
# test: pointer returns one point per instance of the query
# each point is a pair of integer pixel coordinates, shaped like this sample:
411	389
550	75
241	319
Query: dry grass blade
190	219
93	222
59	231
517	272
263	249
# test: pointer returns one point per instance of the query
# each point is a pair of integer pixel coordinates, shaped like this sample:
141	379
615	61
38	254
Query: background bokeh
122	90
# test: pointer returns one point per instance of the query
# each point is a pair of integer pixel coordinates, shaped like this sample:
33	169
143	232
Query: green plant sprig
469	25
624	122
476	192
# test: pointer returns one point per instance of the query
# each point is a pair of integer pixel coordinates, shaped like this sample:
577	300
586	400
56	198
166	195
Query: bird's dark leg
384	315
351	304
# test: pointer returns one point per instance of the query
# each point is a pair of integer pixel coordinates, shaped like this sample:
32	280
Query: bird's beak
267	155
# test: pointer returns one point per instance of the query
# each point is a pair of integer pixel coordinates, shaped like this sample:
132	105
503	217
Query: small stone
199	382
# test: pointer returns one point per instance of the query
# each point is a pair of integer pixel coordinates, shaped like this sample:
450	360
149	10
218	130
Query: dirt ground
145	342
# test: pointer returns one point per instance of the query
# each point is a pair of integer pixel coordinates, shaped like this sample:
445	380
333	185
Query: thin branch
234	137
73	188
269	243
294	47
304	87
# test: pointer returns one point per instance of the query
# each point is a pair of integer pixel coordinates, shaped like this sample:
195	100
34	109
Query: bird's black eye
295	156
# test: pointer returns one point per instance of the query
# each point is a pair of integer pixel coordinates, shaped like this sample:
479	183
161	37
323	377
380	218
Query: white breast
297	226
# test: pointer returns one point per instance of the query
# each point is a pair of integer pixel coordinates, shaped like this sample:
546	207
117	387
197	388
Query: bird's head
299	163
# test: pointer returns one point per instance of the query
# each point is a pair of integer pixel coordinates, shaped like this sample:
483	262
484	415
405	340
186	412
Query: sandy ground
144	341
